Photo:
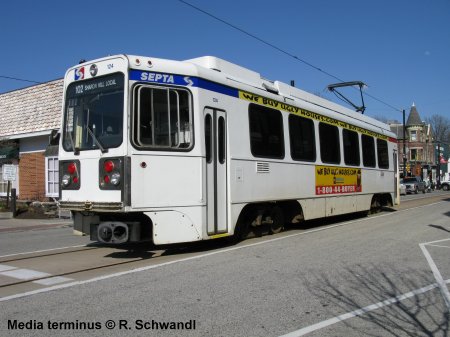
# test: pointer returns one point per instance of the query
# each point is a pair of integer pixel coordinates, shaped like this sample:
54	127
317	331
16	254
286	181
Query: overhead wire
19	79
260	40
281	50
57	83
253	36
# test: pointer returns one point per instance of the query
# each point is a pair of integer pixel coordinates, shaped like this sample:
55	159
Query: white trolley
181	151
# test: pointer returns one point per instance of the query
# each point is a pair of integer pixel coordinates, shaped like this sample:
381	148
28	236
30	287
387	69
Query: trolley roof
246	76
230	74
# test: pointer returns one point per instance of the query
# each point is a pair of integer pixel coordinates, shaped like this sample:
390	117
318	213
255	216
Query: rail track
82	259
99	257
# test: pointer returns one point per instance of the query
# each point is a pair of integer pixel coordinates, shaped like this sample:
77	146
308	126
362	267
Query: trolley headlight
65	181
115	178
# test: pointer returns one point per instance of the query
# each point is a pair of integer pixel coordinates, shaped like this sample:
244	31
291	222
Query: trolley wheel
375	207
277	218
445	187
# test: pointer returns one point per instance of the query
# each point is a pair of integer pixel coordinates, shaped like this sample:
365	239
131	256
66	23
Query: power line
379	100
271	45
279	49
19	79
260	40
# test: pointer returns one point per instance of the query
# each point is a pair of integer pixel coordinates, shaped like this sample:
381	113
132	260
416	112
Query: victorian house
419	158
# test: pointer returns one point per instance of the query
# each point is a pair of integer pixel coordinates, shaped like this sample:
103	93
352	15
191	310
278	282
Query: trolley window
329	144
208	138
383	156
222	141
266	132
368	149
162	118
302	138
93	114
351	147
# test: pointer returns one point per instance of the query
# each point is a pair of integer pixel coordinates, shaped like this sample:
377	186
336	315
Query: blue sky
399	48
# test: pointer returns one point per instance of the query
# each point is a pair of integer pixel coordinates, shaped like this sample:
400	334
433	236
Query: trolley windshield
93	114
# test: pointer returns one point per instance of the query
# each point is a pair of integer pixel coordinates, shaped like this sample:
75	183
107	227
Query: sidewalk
17	225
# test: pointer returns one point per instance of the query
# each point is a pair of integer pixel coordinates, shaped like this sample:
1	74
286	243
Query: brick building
29	119
420	154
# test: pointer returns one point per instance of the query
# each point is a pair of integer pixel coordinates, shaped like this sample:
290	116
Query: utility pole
438	176
404	145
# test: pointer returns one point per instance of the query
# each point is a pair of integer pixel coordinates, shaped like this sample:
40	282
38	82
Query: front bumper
91	206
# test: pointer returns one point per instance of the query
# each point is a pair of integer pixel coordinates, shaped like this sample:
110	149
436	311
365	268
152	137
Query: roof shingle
414	118
33	109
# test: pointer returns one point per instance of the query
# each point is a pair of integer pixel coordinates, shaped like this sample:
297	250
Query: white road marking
53	280
439	246
347	223
4	267
441	284
436	273
132	271
24	274
220	251
360	312
28	274
433	242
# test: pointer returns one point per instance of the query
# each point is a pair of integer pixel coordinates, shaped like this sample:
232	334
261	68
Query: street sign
9	172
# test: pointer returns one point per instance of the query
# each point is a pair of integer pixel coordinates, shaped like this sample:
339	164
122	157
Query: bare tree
381	118
440	126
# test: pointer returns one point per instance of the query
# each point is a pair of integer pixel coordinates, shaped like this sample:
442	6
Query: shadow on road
423	314
440	227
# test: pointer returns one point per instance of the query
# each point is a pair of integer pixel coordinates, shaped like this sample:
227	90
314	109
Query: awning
52	147
9	152
51	151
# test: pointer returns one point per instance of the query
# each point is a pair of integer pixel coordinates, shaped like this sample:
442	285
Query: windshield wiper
76	150
96	141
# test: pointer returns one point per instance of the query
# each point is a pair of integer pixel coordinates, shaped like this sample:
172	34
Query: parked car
402	188
414	184
445	185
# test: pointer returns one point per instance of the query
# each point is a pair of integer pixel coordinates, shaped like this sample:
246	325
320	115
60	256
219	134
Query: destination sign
97	85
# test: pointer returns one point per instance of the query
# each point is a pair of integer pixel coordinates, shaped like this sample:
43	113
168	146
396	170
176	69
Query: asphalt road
15	242
378	276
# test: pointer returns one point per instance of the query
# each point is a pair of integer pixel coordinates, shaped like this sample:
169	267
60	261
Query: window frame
346	159
385	159
366	153
55	171
322	144
209	142
418	151
135	115
311	124
70	140
261	111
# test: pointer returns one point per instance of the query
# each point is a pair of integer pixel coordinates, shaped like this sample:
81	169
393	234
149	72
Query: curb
6	215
